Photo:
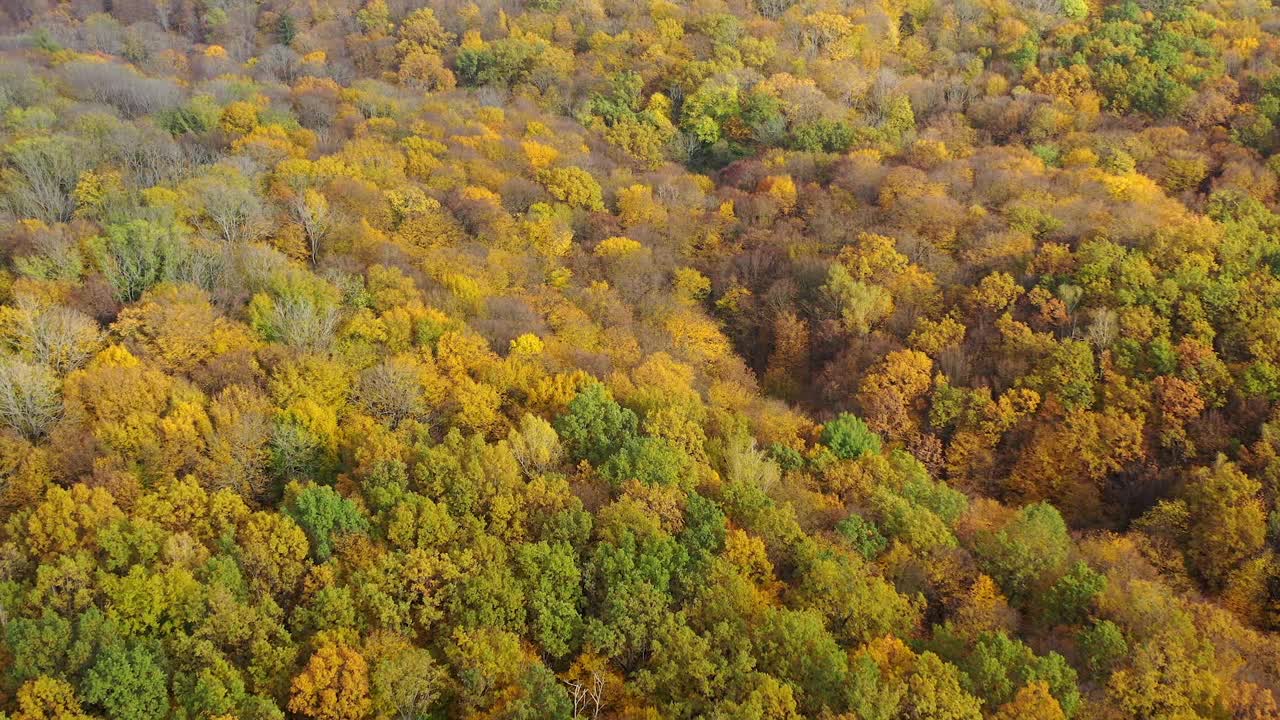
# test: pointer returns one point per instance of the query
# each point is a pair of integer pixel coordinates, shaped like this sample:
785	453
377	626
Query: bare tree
303	323
278	64
102	33
311	210
165	10
237	456
29	397
230	207
207	266
52	335
391	391
535	445
55	255
121	87
22	84
774	8
587	695
42	175
148	153
236	33
1104	328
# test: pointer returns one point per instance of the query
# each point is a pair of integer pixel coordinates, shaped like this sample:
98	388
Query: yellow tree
177	326
47	698
892	393
273	552
789	362
1226	520
333	686
1033	702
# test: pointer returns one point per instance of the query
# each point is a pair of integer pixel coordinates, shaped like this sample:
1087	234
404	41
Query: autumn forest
639	359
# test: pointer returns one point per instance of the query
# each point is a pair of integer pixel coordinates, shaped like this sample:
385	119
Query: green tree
324	514
860	305
683	676
857	605
407	683
849	437
1024	555
37	646
998	666
596	426
553	591
495	675
653	461
935	691
795	647
128	683
629	589
705	111
1102	646
863	535
1069	599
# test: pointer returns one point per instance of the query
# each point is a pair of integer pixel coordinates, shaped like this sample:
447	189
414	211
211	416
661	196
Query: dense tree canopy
737	359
